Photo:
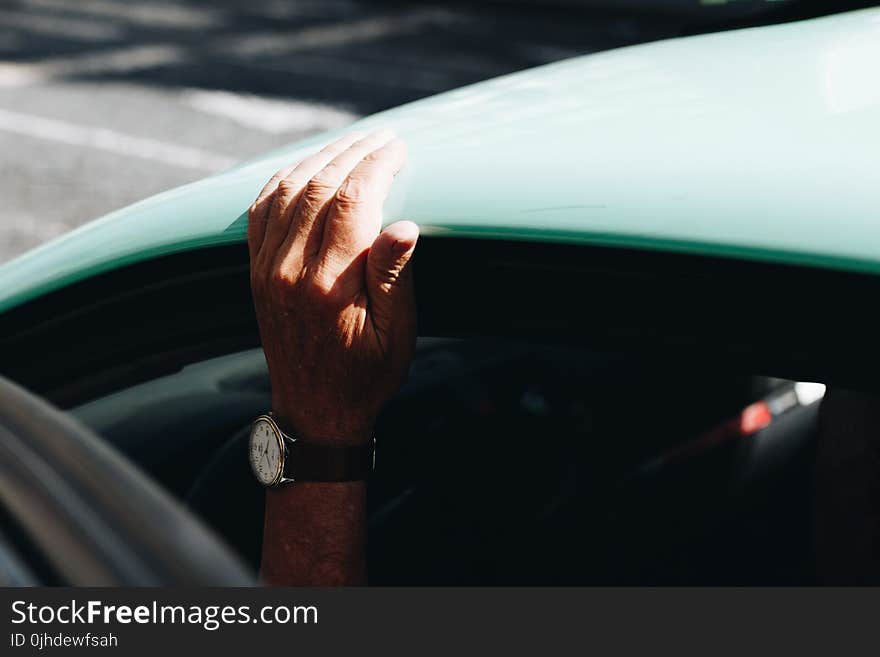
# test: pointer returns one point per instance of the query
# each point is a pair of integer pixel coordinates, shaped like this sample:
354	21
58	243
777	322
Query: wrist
339	430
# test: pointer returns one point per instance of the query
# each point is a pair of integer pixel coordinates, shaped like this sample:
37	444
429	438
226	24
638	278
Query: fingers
270	216
259	211
355	215
307	231
327	211
388	278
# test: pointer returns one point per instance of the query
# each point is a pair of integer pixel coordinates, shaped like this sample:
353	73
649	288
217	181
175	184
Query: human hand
334	297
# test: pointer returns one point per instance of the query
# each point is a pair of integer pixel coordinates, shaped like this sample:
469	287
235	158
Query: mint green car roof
760	144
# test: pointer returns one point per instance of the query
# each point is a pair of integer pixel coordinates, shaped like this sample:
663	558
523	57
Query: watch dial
265	452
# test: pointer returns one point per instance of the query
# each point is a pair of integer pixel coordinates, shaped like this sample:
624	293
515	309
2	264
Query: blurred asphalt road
104	102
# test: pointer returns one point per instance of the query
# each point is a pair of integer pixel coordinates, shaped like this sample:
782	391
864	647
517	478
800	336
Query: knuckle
323	290
374	157
320	288
317	192
322	183
355	191
286	189
282	280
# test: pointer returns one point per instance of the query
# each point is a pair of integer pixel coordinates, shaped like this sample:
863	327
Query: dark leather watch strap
314	462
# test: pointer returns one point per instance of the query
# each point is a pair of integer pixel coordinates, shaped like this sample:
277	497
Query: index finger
259	210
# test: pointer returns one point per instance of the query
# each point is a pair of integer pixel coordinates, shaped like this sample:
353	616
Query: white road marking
385	74
285	10
67	28
255	44
113	142
277	43
120	60
156	14
268	114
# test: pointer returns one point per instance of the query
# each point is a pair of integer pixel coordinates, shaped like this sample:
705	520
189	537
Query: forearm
315	534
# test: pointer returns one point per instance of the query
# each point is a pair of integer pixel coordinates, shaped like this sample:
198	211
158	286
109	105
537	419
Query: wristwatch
277	458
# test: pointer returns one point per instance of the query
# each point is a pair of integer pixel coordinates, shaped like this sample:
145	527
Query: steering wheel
87	516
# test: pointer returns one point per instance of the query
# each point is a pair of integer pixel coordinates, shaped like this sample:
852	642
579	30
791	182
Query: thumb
389	281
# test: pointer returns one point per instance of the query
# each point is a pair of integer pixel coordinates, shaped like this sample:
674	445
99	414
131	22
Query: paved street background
104	102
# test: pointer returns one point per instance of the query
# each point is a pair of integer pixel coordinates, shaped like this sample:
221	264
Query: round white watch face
265	452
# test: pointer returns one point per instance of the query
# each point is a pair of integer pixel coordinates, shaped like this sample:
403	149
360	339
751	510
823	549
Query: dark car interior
579	415
510	462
